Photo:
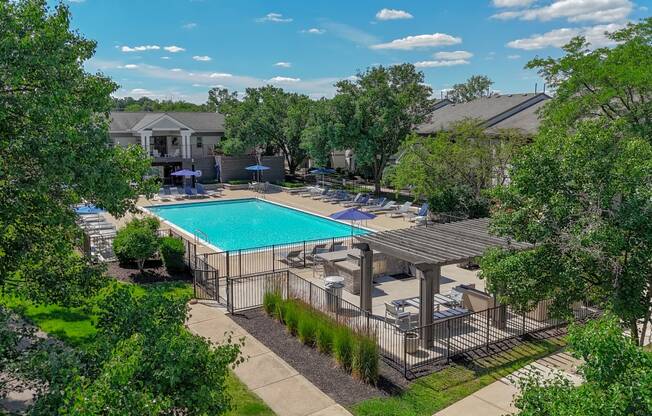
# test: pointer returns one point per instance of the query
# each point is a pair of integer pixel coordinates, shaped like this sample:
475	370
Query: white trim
167	117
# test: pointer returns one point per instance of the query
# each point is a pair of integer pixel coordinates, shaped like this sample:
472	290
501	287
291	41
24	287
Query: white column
145	139
185	145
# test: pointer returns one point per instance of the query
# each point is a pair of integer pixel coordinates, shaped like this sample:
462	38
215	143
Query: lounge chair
360	202
354	200
337	196
337	246
308	191
390	205
323	194
291	258
319	248
190	192
376	204
421	215
402	210
203	192
174	193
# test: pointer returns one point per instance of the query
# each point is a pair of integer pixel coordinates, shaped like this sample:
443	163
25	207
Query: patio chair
174	193
326	193
395	315
203	192
376	204
421	215
337	246
307	191
389	206
360	202
402	210
353	200
315	250
190	192
291	258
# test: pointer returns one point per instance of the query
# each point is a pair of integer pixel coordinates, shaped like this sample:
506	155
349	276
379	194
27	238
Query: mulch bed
153	272
319	368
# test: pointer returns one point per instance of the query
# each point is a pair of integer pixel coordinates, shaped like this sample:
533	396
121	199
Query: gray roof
439	244
123	121
527	120
491	110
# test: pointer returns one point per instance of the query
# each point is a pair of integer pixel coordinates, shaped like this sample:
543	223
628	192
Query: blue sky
180	48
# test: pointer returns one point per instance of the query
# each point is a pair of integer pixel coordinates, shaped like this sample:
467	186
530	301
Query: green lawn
76	326
437	391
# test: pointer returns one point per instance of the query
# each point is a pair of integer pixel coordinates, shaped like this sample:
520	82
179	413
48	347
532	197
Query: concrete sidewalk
496	398
284	390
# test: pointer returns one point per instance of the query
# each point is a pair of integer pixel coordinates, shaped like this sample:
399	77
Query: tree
376	112
617	373
615	82
267	119
53	147
316	138
584	200
477	86
582	192
149	104
453	169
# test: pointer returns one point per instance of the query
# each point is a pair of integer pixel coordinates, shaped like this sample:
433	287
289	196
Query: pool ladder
199	233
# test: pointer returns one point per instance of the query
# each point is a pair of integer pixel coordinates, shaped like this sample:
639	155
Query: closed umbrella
352	214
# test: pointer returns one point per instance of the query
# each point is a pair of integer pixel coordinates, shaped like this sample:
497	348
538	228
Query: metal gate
206	281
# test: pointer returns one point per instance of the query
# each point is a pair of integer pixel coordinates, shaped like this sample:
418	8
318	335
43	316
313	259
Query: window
200	142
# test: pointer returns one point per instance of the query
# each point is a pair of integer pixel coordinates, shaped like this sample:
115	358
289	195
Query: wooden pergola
429	248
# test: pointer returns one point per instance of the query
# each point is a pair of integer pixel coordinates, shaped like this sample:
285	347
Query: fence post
523	331
448	340
310	294
487	341
194	284
405	363
228	264
273	259
287	284
304	254
240	262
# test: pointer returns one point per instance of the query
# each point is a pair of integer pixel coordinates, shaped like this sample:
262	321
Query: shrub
271	303
291	315
343	345
137	241
172	252
307	328
365	360
324	338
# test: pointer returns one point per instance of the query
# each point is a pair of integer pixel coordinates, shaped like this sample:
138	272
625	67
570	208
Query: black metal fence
275	257
247	292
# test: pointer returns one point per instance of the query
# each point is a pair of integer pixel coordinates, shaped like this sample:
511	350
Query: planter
411	342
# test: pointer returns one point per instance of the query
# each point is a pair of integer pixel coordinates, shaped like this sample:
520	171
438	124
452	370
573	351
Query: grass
439	390
76	327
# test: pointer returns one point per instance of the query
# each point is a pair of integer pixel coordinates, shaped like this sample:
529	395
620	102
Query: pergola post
428	276
366	275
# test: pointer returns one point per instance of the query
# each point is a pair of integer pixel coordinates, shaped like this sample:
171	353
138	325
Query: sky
179	49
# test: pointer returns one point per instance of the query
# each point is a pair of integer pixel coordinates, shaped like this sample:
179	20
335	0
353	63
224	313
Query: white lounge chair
389	206
402	210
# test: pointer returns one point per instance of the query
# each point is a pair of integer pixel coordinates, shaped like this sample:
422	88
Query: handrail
199	232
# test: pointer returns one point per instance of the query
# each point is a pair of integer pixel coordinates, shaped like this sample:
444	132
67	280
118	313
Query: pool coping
218	249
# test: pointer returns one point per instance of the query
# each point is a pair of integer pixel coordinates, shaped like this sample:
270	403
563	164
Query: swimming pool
249	223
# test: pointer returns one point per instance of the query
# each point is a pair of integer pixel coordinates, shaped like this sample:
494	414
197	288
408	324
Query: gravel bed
319	368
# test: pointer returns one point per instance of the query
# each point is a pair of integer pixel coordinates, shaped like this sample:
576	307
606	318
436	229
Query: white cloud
174	49
512	57
201	58
140	48
453	55
165	57
76	1
420	41
559	37
275	18
176	70
314	31
283	80
600	11
220	75
393	14
512	3
283	64
441	63
140	91
128	66
189	26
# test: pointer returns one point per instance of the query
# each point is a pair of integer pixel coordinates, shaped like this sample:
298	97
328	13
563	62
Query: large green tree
617	373
150	104
319	131
476	86
376	112
582	193
267	119
54	151
454	168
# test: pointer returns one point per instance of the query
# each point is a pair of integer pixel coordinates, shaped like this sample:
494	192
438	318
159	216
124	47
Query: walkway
284	390
496	398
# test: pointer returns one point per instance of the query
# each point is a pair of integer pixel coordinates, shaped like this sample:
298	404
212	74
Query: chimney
544	88
535	87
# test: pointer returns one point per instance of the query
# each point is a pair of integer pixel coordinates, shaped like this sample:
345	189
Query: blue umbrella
185	172
257	169
352	214
88	209
322	172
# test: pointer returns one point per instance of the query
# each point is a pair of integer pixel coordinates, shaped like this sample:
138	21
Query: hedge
355	352
137	241
172	252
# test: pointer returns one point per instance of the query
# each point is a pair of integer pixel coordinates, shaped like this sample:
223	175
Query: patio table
438	300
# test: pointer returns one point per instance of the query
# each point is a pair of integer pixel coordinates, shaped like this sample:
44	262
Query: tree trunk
376	186
140	264
633	328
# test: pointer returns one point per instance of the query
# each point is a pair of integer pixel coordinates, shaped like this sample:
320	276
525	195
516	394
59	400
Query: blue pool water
249	223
